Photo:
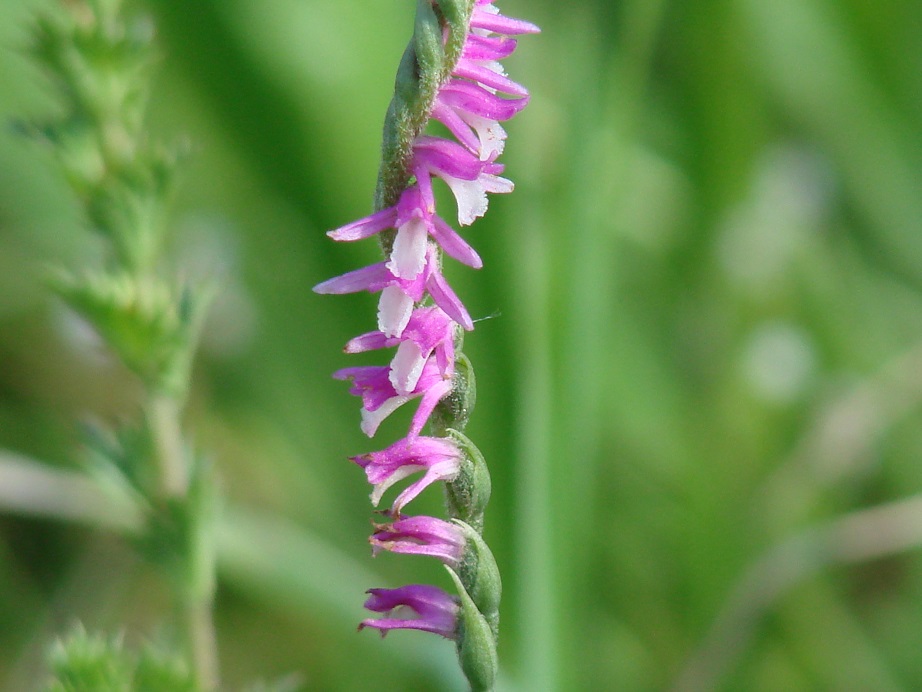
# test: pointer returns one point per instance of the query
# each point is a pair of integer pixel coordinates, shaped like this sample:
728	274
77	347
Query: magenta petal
453	245
360	371
370	341
438	457
428	327
446	299
367	227
445	357
443	471
455	124
430	400
436	609
472	98
488	77
364	279
421	535
499	24
370	382
482	48
443	156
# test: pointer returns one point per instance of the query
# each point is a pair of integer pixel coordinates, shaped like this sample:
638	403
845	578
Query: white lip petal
495	183
397	476
372	419
406	367
470	196
491	134
394	310
408	256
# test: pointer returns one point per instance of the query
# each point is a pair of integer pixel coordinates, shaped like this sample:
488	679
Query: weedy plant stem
100	59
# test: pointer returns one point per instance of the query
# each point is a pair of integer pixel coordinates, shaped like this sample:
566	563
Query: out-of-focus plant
100	60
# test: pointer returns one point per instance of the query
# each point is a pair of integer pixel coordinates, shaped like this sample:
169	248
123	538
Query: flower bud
475	641
480	575
469	492
454	410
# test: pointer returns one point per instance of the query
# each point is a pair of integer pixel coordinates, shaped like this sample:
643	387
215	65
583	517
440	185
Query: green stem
427	62
203	644
196	595
163	418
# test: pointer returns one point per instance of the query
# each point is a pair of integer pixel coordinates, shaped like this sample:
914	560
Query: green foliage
179	537
86	662
150	325
158	672
101	65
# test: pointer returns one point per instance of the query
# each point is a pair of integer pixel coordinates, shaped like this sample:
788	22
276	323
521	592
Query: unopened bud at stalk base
454	410
475	641
469	491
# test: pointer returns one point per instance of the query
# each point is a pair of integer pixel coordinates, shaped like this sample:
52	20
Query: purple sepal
379	397
372	278
421	535
482	48
436	610
428	331
475	99
488	77
366	227
495	22
444	157
399	295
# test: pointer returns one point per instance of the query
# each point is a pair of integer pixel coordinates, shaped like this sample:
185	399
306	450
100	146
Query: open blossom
429	331
415	220
421	535
468	178
472	112
436	610
380	399
398	296
470	106
486	17
437	457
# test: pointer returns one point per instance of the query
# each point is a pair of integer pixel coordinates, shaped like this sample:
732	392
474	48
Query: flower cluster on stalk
422	318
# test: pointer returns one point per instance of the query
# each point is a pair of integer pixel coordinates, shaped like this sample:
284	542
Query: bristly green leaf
159	671
121	458
99	62
85	662
152	326
180	537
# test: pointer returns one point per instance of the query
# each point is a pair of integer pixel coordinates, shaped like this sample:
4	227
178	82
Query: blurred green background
700	383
